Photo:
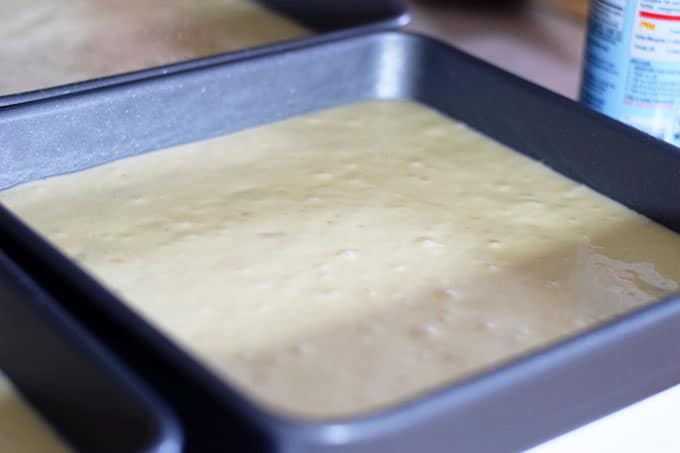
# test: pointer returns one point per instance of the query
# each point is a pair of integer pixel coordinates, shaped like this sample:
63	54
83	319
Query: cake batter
21	430
342	261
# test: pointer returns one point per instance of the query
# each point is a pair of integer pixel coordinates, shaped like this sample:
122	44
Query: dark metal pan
324	19
514	406
86	394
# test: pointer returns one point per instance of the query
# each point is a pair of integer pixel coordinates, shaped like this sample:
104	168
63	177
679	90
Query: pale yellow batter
21	430
45	43
338	262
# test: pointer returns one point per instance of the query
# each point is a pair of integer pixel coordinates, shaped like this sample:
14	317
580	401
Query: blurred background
46	43
539	40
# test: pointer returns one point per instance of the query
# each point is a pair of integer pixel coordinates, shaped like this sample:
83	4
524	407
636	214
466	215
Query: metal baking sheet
512	407
53	48
86	394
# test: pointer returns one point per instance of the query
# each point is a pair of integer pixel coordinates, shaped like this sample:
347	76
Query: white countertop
650	426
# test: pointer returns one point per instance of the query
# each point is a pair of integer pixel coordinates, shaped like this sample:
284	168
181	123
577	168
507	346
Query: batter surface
338	262
21	430
46	43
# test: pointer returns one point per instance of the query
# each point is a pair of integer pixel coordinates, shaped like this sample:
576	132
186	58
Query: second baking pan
514	406
53	48
91	400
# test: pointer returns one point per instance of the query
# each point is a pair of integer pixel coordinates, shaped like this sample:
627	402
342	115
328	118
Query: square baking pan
111	42
513	406
87	395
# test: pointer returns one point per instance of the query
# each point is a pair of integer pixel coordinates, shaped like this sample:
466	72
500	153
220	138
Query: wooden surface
576	8
535	42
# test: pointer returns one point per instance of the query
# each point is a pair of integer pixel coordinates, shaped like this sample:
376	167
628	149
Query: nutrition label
656	33
633	64
649	84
